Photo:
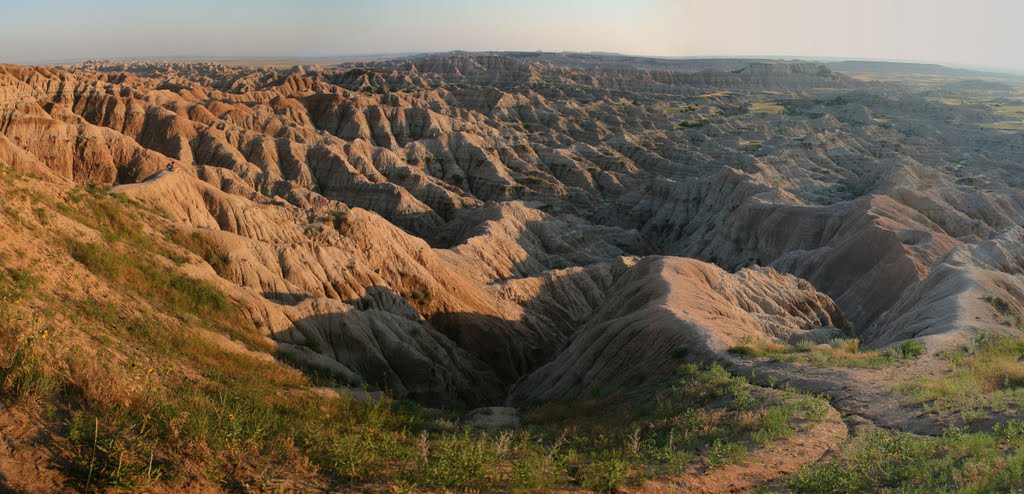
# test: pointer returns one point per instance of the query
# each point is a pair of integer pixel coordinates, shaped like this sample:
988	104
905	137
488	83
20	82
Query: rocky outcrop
664	311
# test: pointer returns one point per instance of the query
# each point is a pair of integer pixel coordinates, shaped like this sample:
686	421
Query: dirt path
27	454
859	394
764	464
858	398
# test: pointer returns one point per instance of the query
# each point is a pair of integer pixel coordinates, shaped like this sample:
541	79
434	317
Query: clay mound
666	310
512	240
971	290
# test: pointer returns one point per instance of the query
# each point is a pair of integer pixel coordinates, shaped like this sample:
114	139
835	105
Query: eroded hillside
470	230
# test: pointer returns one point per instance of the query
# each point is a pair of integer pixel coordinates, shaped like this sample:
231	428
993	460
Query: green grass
842	352
1010	317
15	283
189	299
117	217
883	461
23	373
200	245
767	107
707	417
1014	125
985	376
751	147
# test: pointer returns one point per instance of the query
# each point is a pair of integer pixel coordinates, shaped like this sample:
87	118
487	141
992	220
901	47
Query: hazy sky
976	33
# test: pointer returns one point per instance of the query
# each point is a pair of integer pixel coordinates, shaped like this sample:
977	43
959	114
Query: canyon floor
511	272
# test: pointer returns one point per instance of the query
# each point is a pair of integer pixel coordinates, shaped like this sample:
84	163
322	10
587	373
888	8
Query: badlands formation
471	230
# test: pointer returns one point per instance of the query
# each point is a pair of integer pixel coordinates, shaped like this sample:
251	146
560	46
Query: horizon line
370	55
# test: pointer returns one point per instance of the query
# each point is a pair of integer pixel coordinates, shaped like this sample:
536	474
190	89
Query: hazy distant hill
901	68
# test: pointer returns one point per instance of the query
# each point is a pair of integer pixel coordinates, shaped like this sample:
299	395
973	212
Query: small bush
745	350
605	475
849	345
775	424
909	349
537	472
723	453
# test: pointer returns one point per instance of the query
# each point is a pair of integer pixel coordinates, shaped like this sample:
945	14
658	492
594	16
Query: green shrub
849	345
605	475
723	453
909	349
537	472
985	376
457	462
775	425
746	350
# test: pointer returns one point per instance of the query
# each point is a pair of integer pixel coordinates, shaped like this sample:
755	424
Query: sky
975	33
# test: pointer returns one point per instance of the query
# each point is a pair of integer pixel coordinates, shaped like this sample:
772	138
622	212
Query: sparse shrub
722	453
814	409
457	462
751	147
775	424
909	349
605	475
849	345
745	350
115	216
1010	317
15	283
1011	429
536	472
